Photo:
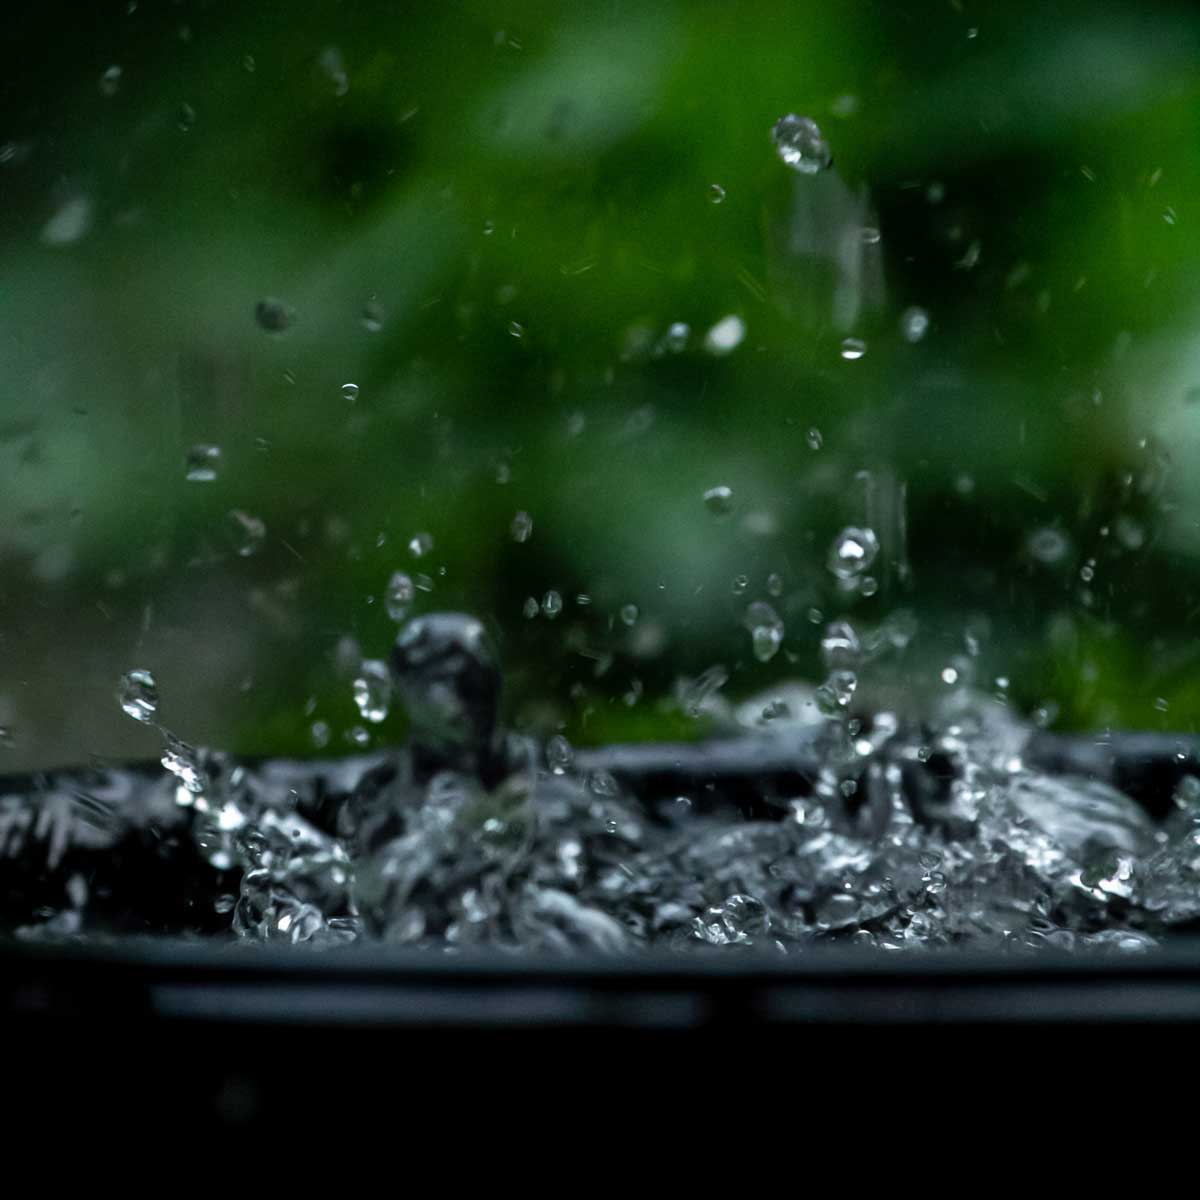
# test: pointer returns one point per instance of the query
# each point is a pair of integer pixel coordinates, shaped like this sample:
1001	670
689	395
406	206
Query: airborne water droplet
799	143
138	695
559	754
399	595
719	500
629	614
814	439
201	463
725	336
853	551
521	527
110	81
373	690
552	604
914	324
716	193
350	392
373	316
420	544
247	532
853	349
766	630
273	314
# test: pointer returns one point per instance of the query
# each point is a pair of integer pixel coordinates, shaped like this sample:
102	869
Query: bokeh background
488	216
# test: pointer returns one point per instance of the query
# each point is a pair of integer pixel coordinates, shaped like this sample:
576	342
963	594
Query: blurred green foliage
524	191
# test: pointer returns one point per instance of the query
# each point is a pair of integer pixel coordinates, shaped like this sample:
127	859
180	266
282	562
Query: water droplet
799	143
716	193
273	315
871	237
853	551
373	316
184	763
914	324
319	732
1048	545
840	647
552	604
531	608
1088	571
725	336
676	338
559	755
350	392
516	329
814	439
247	532
601	783
224	903
774	585
70	222
398	596
420	544
740	584
187	117
719	500
248	63
853	349
949	675
356	735
834	695
521	527
629	614
1169	215
373	690
201	463
766	630
110	81
138	695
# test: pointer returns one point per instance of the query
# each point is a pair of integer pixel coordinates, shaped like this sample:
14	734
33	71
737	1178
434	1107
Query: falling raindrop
138	695
202	462
719	500
521	527
516	329
373	690
399	596
716	193
853	551
552	604
853	349
350	392
420	544
799	143
814	439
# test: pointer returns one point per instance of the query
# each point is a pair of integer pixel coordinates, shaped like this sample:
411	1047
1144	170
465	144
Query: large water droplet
559	755
853	551
725	336
138	695
914	324
766	630
373	690
719	500
521	527
202	462
840	647
853	349
350	392
273	315
399	595
799	143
